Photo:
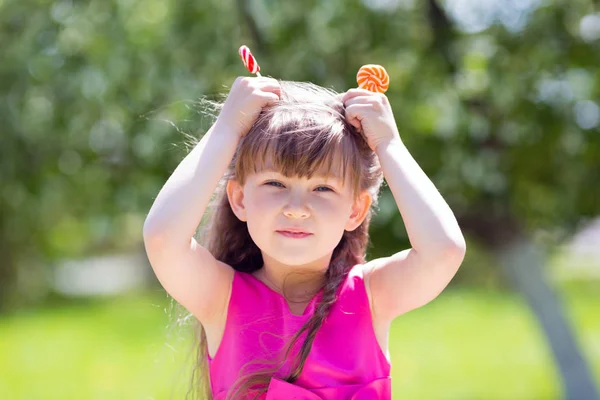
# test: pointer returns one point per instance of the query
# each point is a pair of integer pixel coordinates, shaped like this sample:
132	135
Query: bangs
301	151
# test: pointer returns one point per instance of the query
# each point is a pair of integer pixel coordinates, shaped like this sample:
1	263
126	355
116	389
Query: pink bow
374	390
280	390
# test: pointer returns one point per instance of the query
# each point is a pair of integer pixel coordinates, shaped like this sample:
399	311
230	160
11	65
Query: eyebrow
335	176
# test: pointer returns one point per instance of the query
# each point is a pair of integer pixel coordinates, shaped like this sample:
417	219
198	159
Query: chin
294	260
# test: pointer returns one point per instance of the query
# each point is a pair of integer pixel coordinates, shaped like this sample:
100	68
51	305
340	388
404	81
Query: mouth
294	234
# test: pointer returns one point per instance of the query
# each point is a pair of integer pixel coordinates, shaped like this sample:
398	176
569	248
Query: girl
287	304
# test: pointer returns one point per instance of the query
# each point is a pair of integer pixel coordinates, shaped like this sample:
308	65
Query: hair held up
302	134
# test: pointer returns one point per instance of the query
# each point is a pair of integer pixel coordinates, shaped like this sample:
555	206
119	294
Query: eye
327	189
273	183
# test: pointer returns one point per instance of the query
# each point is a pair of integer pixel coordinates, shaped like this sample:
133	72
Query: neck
296	282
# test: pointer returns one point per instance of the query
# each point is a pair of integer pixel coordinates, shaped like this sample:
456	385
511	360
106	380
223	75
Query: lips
294	230
296	233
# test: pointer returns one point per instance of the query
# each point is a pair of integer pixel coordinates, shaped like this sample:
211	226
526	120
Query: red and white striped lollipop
373	77
249	60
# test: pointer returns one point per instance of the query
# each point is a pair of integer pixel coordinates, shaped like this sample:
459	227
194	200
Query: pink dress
345	362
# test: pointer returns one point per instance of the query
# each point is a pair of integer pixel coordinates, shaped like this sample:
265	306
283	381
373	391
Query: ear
360	209
235	195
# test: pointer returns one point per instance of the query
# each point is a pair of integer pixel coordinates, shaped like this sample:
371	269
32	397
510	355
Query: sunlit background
498	101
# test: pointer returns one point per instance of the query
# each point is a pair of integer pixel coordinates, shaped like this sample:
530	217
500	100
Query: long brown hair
304	132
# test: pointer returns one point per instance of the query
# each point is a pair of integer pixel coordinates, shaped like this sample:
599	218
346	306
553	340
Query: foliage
95	96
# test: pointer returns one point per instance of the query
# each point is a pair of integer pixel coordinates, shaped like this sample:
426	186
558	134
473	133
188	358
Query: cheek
261	202
256	211
334	208
260	207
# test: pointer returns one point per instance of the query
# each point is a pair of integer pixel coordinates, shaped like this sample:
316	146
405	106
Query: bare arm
430	223
413	277
181	203
187	271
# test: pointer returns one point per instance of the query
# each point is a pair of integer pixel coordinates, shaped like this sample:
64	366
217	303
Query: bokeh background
498	101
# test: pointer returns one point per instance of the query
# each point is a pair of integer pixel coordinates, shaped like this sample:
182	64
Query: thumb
269	98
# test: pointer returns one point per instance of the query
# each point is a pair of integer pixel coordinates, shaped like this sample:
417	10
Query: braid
349	252
338	270
314	323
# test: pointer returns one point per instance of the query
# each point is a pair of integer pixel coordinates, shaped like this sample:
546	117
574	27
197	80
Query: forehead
335	172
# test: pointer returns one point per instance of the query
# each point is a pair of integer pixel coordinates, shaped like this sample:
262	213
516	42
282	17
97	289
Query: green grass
467	344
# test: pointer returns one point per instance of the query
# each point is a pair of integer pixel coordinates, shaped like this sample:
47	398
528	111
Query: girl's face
322	206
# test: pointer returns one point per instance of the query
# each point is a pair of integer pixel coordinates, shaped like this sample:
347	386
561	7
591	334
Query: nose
296	208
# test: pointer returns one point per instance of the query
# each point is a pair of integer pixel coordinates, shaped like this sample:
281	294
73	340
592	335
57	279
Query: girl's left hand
371	114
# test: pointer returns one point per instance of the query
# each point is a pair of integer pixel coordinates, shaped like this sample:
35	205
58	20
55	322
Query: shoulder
354	279
357	273
354	289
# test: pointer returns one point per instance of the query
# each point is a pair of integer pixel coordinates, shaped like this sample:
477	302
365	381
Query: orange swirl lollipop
373	77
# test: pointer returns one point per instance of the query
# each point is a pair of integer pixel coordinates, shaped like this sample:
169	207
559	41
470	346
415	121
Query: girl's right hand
245	101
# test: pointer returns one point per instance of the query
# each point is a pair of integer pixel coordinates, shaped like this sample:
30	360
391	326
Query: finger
356	92
269	98
269	82
274	88
354	114
266	80
358	100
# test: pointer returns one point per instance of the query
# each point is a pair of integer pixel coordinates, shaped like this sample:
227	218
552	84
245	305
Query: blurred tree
498	101
536	155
